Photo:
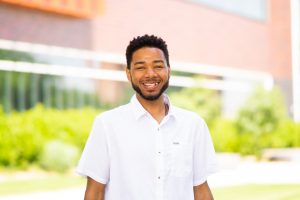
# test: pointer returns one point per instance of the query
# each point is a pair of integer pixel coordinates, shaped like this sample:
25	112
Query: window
254	9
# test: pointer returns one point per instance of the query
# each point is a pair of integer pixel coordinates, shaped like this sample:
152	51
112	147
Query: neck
156	108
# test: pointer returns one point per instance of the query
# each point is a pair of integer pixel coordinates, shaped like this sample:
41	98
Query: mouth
150	85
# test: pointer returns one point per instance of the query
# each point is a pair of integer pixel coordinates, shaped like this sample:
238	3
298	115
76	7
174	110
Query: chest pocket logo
181	159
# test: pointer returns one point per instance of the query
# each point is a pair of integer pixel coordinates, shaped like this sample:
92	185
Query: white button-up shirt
140	159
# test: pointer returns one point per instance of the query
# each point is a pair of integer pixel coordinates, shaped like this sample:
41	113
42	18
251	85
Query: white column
295	31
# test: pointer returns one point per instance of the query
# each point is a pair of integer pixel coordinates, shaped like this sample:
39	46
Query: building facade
240	43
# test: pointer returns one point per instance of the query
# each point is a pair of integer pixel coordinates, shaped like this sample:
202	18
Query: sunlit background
235	63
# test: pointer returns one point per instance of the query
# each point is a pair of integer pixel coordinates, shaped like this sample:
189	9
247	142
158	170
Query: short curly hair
146	41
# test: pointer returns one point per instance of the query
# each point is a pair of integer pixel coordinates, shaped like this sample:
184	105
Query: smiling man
148	149
149	72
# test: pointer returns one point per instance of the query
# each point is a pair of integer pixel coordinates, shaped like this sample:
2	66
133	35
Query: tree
262	112
202	101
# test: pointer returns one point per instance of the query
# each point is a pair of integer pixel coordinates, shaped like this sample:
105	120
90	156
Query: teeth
150	84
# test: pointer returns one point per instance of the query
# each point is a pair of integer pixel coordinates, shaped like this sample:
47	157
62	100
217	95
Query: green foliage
225	136
261	123
202	101
286	135
24	135
259	119
15	56
262	112
21	91
58	156
27	137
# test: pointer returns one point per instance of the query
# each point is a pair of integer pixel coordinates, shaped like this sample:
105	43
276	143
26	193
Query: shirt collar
139	110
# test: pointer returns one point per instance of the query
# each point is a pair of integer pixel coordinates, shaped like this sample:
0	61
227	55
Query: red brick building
197	32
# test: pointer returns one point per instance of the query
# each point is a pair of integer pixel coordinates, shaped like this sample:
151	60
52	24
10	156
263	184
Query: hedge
227	138
24	135
53	139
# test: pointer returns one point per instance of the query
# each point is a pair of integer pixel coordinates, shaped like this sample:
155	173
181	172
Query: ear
128	74
169	71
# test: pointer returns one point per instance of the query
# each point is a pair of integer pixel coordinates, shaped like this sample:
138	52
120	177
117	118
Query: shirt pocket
181	159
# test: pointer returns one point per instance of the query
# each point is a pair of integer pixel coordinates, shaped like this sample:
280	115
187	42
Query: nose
150	72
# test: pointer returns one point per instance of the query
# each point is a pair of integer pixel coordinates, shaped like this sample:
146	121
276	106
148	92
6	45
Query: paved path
231	173
257	173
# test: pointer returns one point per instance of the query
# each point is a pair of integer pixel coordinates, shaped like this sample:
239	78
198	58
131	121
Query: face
149	74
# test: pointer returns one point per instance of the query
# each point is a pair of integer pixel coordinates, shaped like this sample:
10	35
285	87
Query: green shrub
205	102
258	120
227	138
19	146
224	135
24	135
58	156
26	138
286	135
262	112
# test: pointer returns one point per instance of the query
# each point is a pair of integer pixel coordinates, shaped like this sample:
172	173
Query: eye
158	67
139	68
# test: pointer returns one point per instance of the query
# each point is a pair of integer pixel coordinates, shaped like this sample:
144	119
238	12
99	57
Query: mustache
151	80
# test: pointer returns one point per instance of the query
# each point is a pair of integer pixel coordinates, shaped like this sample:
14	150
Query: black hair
146	41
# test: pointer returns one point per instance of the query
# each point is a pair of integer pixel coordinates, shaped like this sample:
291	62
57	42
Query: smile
150	85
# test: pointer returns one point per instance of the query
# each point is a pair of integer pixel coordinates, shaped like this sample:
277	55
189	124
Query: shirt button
158	177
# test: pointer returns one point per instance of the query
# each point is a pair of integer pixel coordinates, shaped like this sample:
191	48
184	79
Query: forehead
148	53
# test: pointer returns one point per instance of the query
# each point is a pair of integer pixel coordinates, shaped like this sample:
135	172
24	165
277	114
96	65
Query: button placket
160	167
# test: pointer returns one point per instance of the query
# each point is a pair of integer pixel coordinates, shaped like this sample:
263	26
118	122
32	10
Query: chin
150	97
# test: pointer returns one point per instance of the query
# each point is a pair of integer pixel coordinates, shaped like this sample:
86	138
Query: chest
146	144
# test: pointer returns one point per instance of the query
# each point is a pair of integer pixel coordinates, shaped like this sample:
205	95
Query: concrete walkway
233	172
257	173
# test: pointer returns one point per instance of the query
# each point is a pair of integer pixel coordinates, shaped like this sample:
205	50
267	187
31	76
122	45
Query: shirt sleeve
205	160
94	161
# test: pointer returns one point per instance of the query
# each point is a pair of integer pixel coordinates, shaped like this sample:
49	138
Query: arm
94	190
202	192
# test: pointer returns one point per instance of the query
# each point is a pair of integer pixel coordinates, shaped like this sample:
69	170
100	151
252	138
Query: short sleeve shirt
138	158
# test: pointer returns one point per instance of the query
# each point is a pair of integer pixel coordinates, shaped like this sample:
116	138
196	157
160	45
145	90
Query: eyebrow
143	62
158	61
139	62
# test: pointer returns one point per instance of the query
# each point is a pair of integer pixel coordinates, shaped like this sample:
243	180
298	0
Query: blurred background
236	63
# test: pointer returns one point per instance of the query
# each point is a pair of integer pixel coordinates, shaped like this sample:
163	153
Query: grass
49	183
258	192
52	182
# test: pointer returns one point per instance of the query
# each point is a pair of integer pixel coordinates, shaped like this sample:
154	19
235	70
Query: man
148	149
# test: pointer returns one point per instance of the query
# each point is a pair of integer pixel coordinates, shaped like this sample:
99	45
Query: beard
150	97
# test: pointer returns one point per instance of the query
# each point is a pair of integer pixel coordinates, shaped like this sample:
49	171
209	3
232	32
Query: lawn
53	182
258	192
242	192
